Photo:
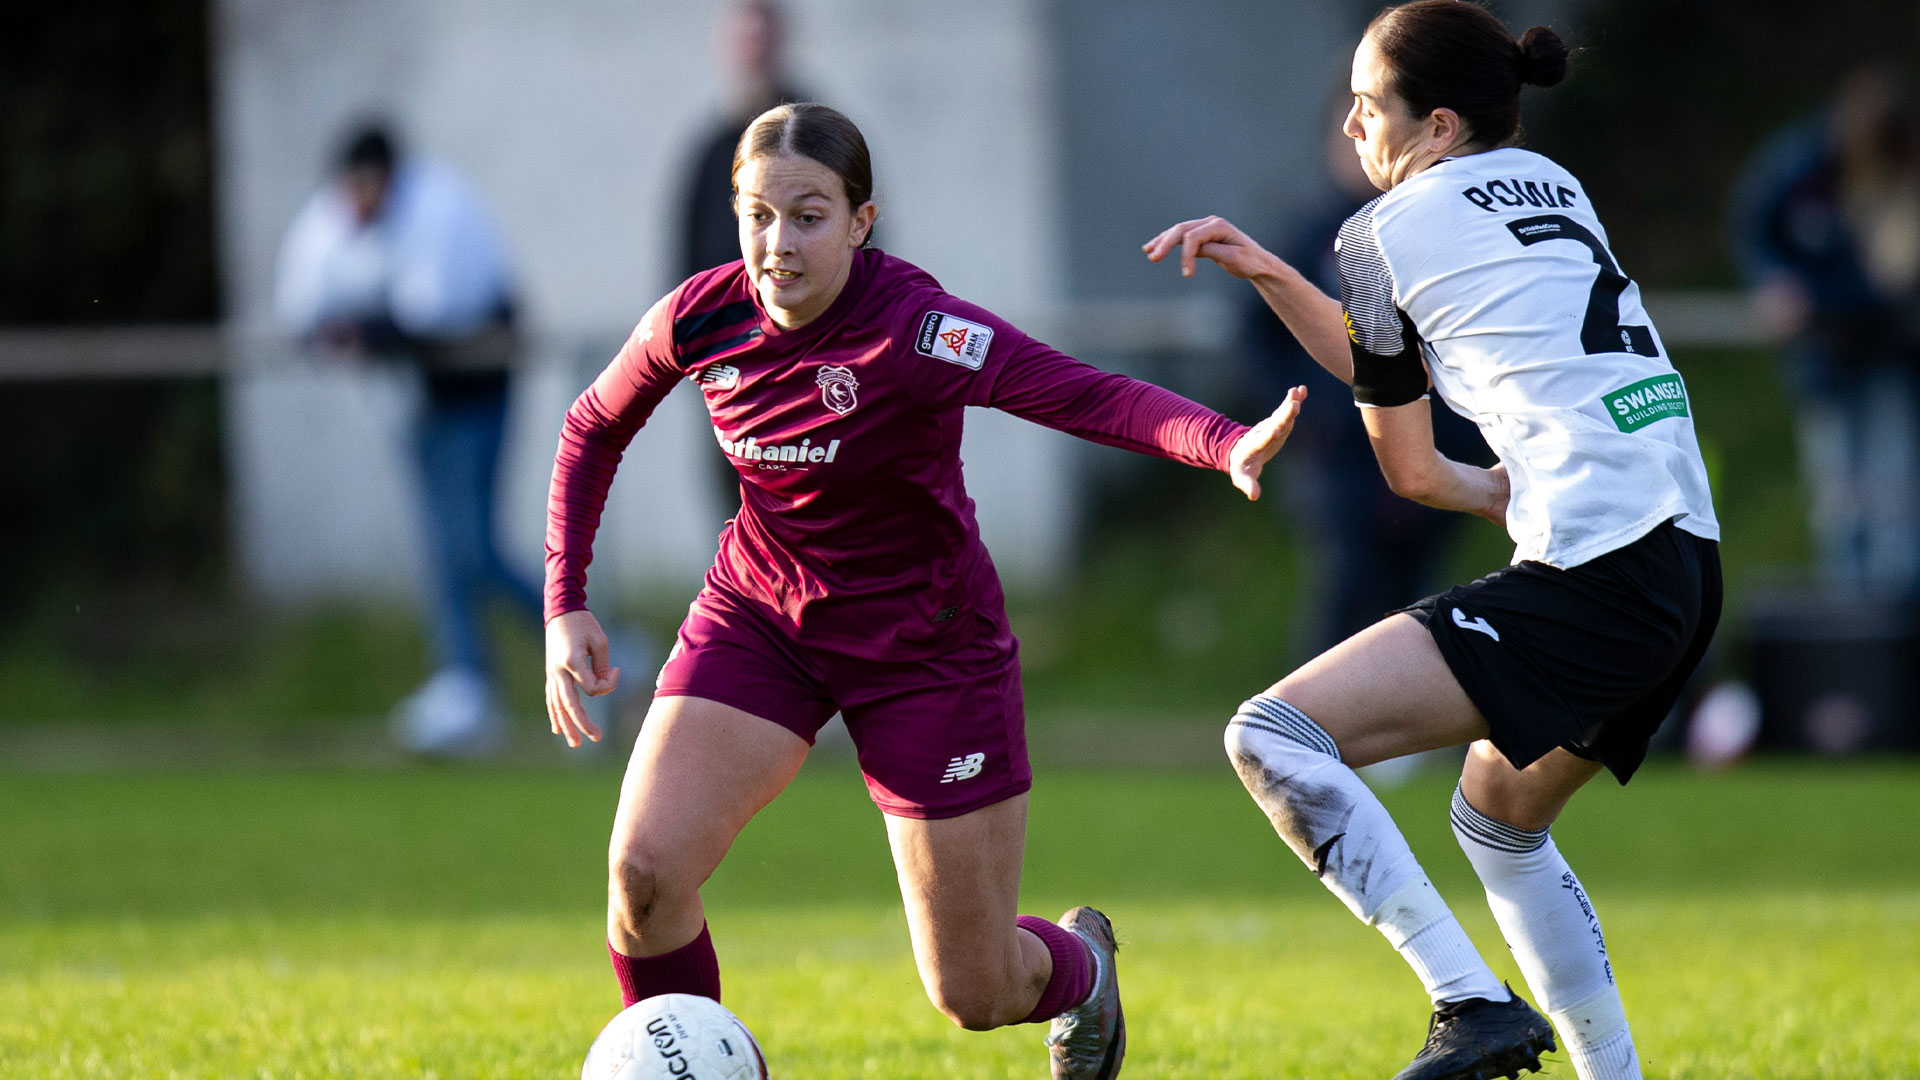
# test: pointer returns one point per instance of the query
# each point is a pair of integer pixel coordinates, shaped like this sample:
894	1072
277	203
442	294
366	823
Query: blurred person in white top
396	260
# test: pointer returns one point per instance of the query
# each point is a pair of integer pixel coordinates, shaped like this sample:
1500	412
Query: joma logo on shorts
964	768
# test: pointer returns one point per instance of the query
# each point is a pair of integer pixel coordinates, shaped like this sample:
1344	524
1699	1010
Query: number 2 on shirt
1601	331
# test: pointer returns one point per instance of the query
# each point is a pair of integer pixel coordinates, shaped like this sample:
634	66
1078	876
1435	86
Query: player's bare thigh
700	771
1384	692
1529	798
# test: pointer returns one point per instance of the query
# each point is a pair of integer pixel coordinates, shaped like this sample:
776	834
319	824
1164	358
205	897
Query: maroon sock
690	969
1072	978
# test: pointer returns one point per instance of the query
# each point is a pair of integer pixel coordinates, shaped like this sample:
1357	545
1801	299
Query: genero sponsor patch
1636	405
953	339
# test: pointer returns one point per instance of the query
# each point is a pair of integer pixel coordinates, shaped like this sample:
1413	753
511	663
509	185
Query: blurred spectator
751	41
1826	226
396	260
1365	550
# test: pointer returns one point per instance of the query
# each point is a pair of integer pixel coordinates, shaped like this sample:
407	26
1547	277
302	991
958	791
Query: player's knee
1245	743
1236	741
1522	799
1244	751
1267	728
636	887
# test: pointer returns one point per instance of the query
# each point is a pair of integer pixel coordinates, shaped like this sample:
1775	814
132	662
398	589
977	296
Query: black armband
1386	381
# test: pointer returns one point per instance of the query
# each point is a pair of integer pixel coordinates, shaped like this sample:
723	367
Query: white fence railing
1202	324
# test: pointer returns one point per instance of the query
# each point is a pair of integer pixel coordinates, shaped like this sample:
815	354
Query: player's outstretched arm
577	660
1311	315
1261	442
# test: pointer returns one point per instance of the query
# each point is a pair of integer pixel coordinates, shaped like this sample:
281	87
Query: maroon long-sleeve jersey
855	531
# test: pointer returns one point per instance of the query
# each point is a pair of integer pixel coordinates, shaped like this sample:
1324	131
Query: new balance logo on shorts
1476	624
964	768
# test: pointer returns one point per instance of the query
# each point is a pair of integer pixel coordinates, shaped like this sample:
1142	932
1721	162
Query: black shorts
1590	658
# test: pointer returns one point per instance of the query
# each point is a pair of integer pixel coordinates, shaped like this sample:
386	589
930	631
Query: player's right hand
577	659
1261	442
1213	238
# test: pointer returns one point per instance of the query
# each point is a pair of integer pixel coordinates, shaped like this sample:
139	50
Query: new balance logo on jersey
751	449
964	768
719	376
1475	624
957	341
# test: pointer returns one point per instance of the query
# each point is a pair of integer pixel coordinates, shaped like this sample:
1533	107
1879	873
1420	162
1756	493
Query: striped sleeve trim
1497	835
1366	287
1387	368
1267	713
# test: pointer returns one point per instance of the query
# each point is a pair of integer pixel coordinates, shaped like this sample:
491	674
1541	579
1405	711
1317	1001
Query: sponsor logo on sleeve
1635	406
837	385
644	331
955	340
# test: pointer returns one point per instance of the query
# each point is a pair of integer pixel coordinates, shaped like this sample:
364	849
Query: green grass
447	923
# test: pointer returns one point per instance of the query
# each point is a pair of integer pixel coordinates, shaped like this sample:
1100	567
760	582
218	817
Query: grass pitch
448	923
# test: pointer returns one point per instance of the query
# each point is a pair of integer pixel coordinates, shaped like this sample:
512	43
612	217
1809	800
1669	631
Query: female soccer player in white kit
1484	273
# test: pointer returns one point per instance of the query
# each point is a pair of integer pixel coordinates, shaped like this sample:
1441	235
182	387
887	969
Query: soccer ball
675	1037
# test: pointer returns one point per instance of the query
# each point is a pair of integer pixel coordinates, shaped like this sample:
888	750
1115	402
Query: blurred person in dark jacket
750	40
1369	551
396	259
1826	229
752	47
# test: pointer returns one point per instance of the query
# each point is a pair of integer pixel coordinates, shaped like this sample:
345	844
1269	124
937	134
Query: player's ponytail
1541	57
1452	54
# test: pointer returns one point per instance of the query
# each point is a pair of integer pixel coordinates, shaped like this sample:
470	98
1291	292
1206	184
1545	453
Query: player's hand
1262	441
1213	238
576	660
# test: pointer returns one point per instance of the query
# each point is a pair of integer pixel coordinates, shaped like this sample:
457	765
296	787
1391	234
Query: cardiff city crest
837	385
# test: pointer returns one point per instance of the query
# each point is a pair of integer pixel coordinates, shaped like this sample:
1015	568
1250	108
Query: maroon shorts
936	738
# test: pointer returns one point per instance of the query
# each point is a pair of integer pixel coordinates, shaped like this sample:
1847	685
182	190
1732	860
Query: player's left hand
1261	442
577	661
1213	238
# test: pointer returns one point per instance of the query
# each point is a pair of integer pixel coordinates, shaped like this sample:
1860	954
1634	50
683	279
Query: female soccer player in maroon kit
853	580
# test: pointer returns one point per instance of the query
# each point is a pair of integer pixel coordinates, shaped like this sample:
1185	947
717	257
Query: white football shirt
1493	269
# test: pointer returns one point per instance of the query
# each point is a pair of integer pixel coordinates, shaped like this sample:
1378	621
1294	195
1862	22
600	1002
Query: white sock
1555	936
1334	822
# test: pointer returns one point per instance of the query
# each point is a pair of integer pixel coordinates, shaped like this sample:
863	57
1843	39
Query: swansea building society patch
955	340
1636	405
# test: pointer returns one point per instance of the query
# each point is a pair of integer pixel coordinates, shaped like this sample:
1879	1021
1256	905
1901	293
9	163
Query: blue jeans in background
458	449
